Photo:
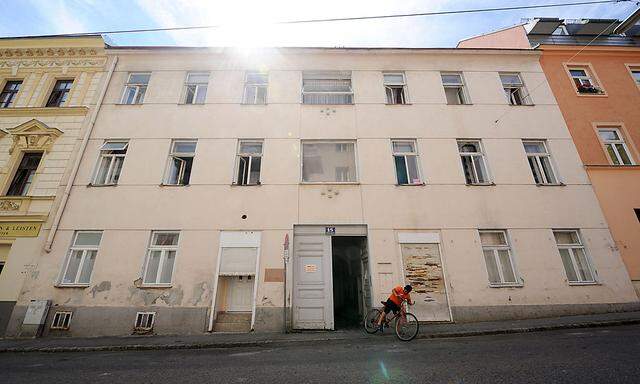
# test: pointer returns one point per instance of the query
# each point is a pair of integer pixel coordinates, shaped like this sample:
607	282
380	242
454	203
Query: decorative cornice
50	58
41	111
32	53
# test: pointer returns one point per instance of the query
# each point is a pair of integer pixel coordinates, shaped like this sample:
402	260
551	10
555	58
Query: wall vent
144	322
61	320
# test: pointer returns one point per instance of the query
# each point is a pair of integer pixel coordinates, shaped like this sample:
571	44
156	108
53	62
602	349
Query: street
595	355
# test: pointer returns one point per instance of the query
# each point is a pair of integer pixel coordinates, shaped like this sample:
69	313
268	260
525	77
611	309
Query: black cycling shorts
391	306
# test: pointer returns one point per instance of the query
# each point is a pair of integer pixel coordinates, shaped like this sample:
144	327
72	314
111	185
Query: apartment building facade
48	86
364	168
593	68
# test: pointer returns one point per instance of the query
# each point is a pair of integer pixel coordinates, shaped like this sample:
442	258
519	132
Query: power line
309	21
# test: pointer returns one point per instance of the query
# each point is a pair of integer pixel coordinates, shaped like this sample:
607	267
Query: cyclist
398	295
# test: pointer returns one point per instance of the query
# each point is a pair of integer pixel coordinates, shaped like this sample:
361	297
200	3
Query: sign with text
19	229
330	231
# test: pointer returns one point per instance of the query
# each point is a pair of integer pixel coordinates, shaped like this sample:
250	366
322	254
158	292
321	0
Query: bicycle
406	324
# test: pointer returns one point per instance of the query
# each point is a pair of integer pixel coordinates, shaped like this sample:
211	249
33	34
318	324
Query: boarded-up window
238	261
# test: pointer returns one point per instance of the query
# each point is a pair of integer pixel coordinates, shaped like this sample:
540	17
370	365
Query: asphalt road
597	355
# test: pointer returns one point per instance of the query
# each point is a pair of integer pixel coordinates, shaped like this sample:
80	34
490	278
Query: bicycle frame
402	314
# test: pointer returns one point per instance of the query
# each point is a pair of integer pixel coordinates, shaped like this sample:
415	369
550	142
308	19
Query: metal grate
144	321
61	320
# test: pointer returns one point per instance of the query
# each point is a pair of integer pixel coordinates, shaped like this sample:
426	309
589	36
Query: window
583	81
255	88
615	146
540	162
327	88
59	93
473	162
195	88
395	88
635	72
9	93
497	256
135	88
249	160
161	257
180	162
82	256
144	322
405	157
110	163
25	174
514	89
560	31
328	162
574	258
636	210
61	320
454	88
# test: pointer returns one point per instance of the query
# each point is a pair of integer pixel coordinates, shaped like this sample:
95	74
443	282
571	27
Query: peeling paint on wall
103	286
201	293
153	296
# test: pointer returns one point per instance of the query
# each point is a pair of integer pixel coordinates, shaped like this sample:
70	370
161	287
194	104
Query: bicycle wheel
371	321
407	328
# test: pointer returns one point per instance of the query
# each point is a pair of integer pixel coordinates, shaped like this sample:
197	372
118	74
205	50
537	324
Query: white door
313	285
239	294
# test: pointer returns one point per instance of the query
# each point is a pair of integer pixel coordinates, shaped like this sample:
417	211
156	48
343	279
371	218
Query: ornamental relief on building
50	58
33	135
10	205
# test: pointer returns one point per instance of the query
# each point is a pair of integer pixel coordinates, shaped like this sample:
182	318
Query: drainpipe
76	165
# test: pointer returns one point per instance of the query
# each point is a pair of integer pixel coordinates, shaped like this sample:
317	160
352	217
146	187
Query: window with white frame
615	146
635	72
180	162
195	87
473	162
160	260
405	157
574	256
61	320
81	257
112	154
454	89
248	162
135	88
584	81
514	89
498	258
255	88
329	162
395	87
330	87
540	161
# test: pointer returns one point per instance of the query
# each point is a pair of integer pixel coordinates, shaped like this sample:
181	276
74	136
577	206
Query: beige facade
49	86
224	228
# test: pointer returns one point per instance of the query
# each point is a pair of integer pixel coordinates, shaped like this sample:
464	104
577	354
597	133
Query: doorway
348	253
239	294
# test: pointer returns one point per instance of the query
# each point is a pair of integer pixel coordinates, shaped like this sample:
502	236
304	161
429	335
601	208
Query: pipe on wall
78	159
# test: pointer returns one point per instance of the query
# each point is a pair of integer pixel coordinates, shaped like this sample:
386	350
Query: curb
236	344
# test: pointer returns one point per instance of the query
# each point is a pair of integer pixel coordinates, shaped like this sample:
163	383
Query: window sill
398	104
327	105
72	285
463	104
591	94
515	285
551	185
411	185
122	104
260	104
173	185
481	185
152	286
91	185
579	284
329	183
246	185
522	105
189	104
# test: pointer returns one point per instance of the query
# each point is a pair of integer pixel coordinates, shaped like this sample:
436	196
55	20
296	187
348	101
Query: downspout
80	154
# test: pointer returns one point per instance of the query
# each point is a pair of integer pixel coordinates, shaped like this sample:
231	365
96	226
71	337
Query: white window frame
495	249
255	85
355	155
537	158
337	75
588	77
142	315
462	89
112	156
481	154
415	153
562	31
59	320
173	154
613	144
519	87
633	70
163	257
137	87
240	155
389	85
198	86
574	264
84	249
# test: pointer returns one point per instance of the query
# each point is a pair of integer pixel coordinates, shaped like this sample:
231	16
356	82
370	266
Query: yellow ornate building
48	87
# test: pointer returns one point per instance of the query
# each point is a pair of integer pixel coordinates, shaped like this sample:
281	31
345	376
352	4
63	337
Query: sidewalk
229	340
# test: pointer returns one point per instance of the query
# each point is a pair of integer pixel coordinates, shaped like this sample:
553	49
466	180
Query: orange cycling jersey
398	295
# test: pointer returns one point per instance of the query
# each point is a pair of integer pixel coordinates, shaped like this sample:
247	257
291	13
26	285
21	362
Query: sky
247	22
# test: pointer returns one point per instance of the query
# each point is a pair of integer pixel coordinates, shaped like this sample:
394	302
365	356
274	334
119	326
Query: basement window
180	162
248	162
144	322
61	320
